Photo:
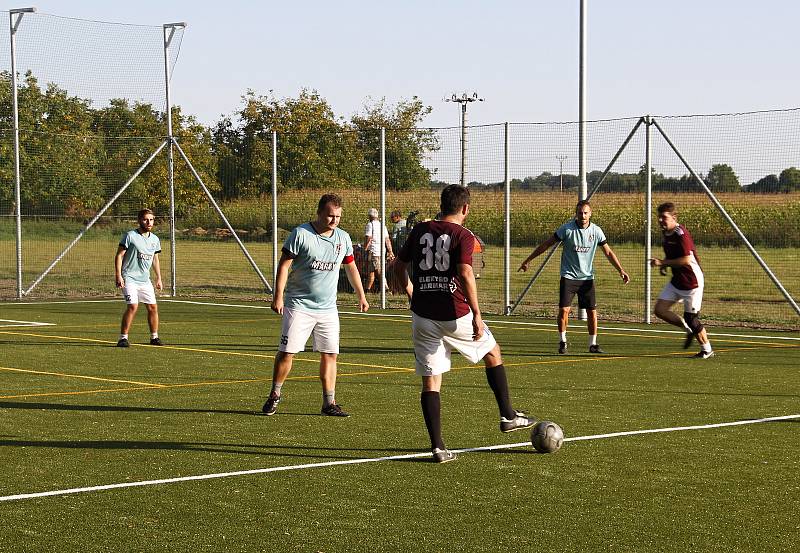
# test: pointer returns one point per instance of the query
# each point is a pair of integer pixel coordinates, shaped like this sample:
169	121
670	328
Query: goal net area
94	148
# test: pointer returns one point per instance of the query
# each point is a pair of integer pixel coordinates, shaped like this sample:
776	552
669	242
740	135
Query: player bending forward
445	313
687	281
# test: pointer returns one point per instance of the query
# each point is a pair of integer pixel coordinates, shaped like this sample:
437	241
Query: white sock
276	389
593	339
706	347
123	336
562	336
153	335
328	398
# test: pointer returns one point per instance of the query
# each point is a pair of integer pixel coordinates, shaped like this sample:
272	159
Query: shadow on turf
214	447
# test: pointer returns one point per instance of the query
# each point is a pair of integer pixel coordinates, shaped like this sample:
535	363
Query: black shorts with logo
584	288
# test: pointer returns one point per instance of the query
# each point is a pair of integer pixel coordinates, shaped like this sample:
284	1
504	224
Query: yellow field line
67	375
185	348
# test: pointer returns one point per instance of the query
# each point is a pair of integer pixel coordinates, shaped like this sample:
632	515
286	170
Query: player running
686	285
445	313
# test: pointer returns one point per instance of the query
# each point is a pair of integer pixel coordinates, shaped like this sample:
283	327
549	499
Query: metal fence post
507	208
648	223
274	207
382	244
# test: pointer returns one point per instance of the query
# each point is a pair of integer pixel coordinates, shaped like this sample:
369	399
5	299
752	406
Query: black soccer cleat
334	410
688	340
123	343
519	422
703	354
443	456
271	405
595	349
156	342
562	348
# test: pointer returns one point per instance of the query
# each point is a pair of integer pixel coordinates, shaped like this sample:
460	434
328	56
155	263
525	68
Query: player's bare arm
118	267
614	260
354	278
540	249
281	276
677	262
467	276
157	270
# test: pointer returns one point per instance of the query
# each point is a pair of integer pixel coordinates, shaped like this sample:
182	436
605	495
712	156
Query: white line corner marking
378	459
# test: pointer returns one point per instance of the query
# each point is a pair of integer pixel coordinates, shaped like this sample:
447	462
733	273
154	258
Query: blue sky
676	57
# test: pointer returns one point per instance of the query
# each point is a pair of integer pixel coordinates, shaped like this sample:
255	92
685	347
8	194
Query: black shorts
584	288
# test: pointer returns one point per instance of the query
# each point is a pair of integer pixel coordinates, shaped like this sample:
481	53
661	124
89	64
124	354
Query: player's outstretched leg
510	419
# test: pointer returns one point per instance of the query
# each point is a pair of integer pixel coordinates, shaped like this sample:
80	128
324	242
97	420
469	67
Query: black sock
499	384
431	410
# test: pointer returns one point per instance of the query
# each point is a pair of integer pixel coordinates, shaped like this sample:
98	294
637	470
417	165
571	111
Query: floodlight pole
464	99
14	19
381	240
507	240
582	186
648	222
169	31
274	207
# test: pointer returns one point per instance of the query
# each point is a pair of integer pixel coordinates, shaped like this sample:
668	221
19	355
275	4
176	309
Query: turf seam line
141	483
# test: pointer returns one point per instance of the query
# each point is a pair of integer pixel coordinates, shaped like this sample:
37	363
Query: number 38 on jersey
435	252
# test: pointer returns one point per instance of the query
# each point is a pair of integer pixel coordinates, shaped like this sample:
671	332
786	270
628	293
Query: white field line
378	459
61	302
13	323
509	322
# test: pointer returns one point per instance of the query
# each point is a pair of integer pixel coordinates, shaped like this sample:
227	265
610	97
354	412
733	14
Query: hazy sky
666	57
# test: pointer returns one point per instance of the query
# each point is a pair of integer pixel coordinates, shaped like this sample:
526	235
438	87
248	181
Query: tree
789	179
406	144
721	178
769	184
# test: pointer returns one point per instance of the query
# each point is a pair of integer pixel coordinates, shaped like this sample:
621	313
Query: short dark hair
326	199
143	212
454	197
396	213
667	207
582	203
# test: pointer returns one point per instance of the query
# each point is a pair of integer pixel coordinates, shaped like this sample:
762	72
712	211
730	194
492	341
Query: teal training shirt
580	245
139	253
314	275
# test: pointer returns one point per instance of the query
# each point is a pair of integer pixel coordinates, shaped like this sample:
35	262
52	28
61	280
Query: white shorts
692	299
434	340
135	292
297	326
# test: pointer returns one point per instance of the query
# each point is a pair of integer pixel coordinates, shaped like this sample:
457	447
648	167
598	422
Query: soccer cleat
156	342
271	405
334	410
123	343
703	354
595	349
519	422
443	455
562	348
688	340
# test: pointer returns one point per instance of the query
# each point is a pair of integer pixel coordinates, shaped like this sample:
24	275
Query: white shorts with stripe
135	292
692	299
435	340
297	326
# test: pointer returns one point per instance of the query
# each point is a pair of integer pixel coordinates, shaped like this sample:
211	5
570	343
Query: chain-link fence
82	138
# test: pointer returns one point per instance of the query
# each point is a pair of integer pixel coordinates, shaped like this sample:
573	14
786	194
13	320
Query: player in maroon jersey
687	281
446	316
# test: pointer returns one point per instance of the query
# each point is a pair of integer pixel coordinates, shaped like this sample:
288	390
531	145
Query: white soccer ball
547	437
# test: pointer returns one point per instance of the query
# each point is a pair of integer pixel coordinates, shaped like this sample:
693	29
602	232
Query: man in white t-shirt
372	245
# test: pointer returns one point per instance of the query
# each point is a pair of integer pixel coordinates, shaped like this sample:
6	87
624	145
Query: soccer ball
547	437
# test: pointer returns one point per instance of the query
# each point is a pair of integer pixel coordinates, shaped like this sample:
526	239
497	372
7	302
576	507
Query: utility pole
464	99
561	159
